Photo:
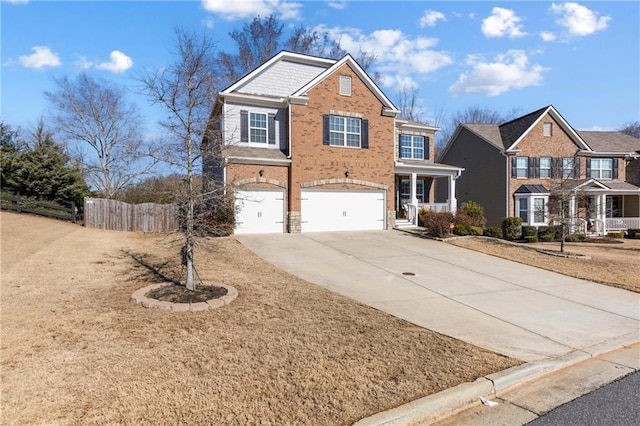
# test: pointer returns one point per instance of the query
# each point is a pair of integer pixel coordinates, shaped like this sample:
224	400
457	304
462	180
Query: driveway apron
513	309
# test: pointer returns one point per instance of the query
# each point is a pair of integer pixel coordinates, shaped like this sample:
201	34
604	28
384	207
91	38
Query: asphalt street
617	404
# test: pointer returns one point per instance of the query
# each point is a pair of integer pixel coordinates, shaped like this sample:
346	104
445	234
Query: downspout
507	175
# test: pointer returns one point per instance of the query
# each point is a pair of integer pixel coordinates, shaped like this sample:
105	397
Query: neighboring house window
522	167
257	127
568	167
601	168
547	129
345	131
544	167
345	85
523	209
538	210
413	147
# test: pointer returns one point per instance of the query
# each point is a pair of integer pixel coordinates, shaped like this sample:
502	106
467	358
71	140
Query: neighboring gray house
510	169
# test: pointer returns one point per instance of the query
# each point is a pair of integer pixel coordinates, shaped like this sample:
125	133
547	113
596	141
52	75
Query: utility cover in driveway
259	211
342	210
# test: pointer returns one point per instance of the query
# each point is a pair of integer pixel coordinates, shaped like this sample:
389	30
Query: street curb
436	407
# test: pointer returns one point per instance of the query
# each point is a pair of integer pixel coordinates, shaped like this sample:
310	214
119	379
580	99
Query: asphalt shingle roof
610	141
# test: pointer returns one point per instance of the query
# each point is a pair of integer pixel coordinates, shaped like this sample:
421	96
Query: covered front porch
415	188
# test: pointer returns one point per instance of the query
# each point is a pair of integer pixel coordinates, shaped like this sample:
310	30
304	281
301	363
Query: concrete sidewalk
513	309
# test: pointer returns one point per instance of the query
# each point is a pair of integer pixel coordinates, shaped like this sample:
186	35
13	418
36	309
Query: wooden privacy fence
119	216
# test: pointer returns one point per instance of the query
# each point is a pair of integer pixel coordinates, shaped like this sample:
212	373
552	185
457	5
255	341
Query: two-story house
514	168
312	144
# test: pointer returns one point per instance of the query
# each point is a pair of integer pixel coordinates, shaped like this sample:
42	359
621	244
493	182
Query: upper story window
522	167
338	130
257	127
547	129
544	167
601	168
413	146
345	85
568	167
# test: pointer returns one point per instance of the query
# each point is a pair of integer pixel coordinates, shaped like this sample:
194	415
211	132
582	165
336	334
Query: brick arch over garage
345	181
258	181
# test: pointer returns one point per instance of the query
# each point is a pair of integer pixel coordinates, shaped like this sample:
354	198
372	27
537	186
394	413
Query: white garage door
259	212
342	210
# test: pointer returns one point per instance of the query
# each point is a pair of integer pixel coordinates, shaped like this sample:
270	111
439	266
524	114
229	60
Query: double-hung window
601	168
412	146
568	166
344	131
545	167
257	127
539	210
522	167
523	209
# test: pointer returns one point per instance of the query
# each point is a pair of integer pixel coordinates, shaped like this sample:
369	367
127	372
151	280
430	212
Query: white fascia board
404	124
607	153
443	170
563	123
298	100
254	99
260	161
388	109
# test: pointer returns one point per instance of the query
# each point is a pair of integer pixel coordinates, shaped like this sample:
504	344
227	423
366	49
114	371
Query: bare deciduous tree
408	99
187	90
631	129
95	114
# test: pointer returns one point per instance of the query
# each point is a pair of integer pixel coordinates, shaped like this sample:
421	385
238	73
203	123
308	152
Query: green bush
475	230
471	214
575	238
493	231
633	233
549	233
529	231
615	234
436	224
511	228
531	238
460	229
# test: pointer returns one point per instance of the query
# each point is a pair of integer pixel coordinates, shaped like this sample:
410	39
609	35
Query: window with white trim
523	209
547	129
257	127
545	167
344	131
345	85
533	209
539	210
412	146
522	167
601	168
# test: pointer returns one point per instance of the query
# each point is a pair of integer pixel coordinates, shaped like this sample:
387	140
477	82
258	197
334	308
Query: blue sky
582	57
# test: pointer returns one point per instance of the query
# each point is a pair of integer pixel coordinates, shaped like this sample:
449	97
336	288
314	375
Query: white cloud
41	57
508	71
396	53
502	22
431	17
339	4
83	63
208	22
238	9
119	63
547	36
579	20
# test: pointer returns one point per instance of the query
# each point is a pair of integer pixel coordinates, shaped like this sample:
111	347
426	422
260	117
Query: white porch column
414	197
453	202
601	209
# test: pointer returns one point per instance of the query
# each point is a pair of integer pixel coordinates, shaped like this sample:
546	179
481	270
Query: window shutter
554	166
325	129
244	126
426	147
588	168
531	163
271	123
364	143
399	146
536	167
514	168
576	168
614	162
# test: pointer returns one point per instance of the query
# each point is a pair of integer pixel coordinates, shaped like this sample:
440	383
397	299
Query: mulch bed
180	294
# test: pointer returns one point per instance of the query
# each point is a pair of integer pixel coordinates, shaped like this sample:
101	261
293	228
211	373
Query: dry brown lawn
74	350
615	264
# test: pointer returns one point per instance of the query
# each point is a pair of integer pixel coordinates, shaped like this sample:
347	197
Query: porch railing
436	207
622	223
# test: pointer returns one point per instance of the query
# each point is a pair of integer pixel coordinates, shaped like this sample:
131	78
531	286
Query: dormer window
547	129
345	85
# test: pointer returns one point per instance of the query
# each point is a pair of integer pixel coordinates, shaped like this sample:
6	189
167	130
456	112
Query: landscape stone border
140	297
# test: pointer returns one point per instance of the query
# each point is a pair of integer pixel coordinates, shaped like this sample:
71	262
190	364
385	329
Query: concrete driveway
513	309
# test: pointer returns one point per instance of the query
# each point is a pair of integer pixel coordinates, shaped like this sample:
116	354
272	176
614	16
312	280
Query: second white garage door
259	212
342	210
